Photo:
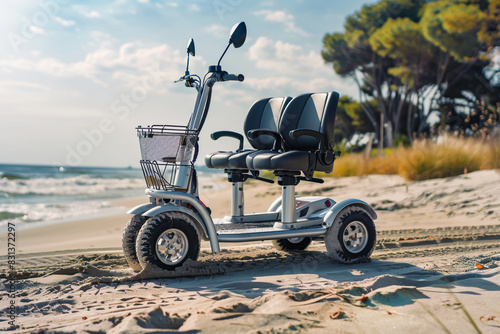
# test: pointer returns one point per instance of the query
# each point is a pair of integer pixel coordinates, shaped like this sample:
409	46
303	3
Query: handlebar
224	76
232	77
190	80
183	78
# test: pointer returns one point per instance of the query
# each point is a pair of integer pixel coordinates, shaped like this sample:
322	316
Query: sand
435	269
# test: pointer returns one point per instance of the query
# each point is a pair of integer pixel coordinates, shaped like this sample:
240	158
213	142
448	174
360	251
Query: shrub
425	159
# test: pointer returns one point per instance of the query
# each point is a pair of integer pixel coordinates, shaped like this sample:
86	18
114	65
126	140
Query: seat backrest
265	114
314	111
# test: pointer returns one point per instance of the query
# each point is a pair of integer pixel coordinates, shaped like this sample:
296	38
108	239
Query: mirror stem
218	64
187	66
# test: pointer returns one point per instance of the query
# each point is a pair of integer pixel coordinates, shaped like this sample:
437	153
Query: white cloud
37	30
281	17
92	14
172	4
194	8
290	68
275	16
282	57
100	36
143	1
218	30
63	22
15	86
294	86
127	64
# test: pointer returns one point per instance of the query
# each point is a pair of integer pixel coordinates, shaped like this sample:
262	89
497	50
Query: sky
77	77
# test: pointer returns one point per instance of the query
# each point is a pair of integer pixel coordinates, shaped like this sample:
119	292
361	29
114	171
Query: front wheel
292	244
352	236
167	241
129	237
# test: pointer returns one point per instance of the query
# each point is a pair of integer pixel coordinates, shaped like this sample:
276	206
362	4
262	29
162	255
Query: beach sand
435	269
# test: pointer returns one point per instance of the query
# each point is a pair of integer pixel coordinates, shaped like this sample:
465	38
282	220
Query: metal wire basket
167	155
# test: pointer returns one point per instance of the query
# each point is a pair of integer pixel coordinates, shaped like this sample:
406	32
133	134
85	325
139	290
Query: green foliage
343	121
343	57
268	174
360	121
402	41
490	27
453	27
414	58
401	140
352	118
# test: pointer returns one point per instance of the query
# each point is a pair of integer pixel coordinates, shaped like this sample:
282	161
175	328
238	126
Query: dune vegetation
424	159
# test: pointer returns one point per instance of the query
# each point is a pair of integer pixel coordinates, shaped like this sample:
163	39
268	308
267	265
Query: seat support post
288	210
238	200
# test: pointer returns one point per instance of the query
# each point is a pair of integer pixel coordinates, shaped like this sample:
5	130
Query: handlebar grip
232	77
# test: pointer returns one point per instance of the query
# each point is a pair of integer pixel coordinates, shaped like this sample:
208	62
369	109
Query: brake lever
180	79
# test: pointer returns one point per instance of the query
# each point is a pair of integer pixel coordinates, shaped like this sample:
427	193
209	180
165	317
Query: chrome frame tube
238	200
272	235
288	210
201	102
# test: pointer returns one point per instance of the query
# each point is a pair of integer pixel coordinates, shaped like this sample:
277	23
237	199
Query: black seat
305	136
264	114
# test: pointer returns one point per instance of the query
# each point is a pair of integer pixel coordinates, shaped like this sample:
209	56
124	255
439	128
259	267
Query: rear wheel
292	244
129	237
167	241
352	236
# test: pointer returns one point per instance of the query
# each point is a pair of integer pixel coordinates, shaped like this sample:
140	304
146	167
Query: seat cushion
238	160
290	161
260	160
217	159
272	160
220	160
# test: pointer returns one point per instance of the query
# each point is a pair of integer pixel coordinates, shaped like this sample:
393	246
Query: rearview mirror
190	47
237	38
238	34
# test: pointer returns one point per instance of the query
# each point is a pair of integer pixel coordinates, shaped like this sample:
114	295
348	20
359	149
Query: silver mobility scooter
291	137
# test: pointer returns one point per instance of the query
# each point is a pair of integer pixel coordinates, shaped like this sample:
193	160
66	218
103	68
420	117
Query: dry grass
425	159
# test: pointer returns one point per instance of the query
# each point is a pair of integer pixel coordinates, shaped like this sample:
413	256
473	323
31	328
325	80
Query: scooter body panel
253	218
175	208
338	207
275	205
310	211
198	205
272	235
141	208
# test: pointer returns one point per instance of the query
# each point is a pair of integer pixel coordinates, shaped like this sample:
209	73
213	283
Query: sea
40	194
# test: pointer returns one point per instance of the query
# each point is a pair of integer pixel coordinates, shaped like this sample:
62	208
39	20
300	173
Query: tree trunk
381	136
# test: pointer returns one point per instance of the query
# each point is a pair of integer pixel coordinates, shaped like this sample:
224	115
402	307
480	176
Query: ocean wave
77	185
11	215
32	193
49	212
9	176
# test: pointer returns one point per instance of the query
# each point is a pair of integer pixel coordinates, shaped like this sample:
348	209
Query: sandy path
263	289
424	277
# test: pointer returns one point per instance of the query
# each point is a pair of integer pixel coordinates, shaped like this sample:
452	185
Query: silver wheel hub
355	237
295	240
172	246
